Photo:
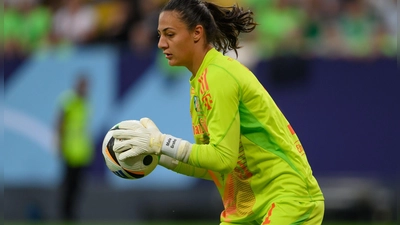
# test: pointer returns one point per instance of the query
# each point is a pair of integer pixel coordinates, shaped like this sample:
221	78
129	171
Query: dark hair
222	25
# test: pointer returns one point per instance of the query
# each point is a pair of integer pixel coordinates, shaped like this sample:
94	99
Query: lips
168	55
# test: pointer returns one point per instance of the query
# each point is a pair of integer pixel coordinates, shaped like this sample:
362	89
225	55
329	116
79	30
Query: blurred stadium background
331	66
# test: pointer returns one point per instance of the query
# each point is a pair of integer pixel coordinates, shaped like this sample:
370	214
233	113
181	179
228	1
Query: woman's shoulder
228	65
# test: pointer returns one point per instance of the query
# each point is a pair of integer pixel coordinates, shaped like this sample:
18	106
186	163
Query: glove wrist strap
170	145
176	148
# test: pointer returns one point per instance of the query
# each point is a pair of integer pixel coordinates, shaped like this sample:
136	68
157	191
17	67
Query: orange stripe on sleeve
291	129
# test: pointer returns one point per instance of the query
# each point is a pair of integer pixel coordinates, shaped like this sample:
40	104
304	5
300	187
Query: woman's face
175	40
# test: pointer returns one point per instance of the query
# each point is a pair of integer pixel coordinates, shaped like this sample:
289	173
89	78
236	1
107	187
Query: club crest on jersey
196	103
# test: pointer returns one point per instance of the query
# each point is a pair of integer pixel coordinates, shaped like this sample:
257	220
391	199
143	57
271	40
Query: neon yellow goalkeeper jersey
244	141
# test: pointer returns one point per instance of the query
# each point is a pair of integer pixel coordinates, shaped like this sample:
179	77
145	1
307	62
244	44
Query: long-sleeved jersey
243	142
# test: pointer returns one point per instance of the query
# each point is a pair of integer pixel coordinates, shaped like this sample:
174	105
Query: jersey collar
211	54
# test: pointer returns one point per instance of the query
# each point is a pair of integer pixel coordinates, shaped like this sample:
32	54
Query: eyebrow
163	30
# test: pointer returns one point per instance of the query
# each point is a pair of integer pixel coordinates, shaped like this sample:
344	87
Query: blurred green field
174	223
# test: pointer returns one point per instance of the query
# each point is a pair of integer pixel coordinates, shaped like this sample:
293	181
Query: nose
162	44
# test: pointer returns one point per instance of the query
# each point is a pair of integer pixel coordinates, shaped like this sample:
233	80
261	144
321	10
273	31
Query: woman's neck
198	60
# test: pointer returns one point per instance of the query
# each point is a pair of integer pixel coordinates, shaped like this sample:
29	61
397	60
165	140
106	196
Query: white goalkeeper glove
149	140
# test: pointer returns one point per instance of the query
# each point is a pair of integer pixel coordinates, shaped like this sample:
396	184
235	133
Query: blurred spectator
357	25
12	19
281	28
330	43
328	28
118	20
313	28
387	11
75	21
321	32
149	14
385	41
141	38
384	44
26	27
115	18
75	144
52	5
281	39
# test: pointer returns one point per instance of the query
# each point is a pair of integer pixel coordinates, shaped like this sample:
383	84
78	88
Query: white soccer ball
131	168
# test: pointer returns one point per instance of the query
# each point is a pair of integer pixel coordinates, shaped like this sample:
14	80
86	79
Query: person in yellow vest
75	143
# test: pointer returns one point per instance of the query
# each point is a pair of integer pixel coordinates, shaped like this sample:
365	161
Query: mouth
168	55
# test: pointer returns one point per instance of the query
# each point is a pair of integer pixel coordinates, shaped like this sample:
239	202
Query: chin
173	63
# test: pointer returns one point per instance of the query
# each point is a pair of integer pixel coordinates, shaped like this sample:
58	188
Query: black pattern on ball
110	150
147	160
110	145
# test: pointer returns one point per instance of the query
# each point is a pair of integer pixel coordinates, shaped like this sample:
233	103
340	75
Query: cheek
185	48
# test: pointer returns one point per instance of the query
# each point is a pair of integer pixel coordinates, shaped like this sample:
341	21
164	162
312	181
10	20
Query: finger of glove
121	147
124	145
130	125
149	124
123	134
132	152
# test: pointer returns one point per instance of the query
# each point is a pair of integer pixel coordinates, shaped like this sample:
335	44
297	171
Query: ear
198	33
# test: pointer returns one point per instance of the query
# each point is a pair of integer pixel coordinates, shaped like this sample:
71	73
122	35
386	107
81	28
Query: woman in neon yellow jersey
243	142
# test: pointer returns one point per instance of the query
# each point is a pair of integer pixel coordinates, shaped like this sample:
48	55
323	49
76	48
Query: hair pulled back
222	25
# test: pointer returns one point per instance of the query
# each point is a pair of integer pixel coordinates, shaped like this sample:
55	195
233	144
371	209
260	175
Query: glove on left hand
149	140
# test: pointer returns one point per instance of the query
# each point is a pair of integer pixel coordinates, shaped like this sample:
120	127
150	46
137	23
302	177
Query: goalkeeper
243	142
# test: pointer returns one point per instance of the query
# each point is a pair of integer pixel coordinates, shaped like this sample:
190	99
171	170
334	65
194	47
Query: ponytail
222	25
230	21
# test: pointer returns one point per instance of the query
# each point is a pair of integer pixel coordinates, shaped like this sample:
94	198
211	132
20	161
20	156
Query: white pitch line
35	130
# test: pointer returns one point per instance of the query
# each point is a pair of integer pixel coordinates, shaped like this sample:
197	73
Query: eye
170	35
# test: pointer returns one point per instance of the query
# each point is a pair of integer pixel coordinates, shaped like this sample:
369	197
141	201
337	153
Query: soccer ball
131	168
